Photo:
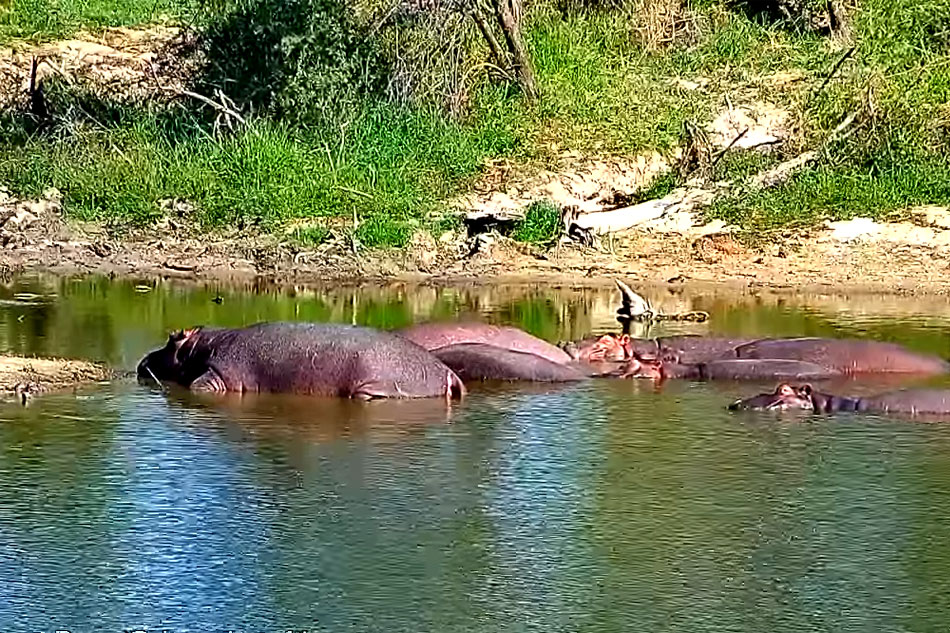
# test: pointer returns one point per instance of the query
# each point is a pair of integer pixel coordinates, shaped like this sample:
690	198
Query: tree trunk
498	55
839	22
38	107
508	12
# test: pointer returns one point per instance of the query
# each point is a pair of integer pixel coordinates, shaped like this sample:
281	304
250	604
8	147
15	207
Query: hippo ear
806	390
785	389
180	336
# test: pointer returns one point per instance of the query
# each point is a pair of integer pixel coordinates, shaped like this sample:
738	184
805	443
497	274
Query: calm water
606	506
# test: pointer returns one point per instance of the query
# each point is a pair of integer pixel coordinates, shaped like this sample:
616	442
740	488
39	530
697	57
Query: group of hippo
438	359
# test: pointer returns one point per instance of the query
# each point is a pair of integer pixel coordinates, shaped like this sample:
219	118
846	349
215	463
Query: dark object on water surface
304	358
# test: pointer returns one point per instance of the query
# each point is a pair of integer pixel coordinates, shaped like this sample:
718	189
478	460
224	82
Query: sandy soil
21	378
34	236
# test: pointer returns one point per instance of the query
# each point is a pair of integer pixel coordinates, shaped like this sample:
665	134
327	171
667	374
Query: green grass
897	153
541	224
391	169
391	166
49	19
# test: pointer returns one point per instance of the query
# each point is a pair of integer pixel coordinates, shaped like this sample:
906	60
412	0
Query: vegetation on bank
367	120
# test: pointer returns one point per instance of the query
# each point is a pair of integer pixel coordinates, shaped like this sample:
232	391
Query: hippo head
785	396
168	363
609	348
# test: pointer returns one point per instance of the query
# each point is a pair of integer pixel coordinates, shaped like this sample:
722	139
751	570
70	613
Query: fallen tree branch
222	107
835	69
723	151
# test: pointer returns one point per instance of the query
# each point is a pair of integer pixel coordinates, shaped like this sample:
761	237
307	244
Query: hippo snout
146	372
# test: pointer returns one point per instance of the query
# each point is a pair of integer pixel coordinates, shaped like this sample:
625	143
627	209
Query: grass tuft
541	224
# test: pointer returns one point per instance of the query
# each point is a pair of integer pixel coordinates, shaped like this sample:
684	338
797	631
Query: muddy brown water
602	506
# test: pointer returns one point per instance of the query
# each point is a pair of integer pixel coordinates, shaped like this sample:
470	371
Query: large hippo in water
435	335
847	356
804	358
478	361
304	358
908	401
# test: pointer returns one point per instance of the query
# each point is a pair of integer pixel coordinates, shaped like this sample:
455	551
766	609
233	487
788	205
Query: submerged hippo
847	356
433	336
804	358
304	358
729	369
688	349
908	401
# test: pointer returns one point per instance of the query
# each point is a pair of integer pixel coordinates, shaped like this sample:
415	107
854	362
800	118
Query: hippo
304	358
848	356
729	369
689	349
478	361
606	347
907	401
835	356
432	336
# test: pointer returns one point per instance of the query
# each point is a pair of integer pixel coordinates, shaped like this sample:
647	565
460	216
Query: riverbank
807	158
206	123
912	256
22	377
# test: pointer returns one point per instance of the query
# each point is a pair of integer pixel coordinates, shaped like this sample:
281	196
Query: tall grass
390	169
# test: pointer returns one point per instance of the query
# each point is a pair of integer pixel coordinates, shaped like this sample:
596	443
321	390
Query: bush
541	224
307	62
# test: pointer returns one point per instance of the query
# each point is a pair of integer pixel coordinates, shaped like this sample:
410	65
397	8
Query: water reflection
600	506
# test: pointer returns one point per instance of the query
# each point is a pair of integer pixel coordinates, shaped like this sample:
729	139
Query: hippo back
433	336
847	355
325	359
912	401
699	349
477	361
763	369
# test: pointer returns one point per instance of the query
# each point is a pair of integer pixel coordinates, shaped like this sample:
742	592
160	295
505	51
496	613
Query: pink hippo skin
432	336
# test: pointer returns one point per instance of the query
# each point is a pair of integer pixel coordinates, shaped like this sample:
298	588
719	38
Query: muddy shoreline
639	258
21	377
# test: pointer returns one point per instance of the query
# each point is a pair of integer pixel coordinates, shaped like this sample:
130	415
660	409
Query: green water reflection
604	506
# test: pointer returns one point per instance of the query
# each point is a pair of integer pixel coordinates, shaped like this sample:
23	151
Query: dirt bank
910	256
21	378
